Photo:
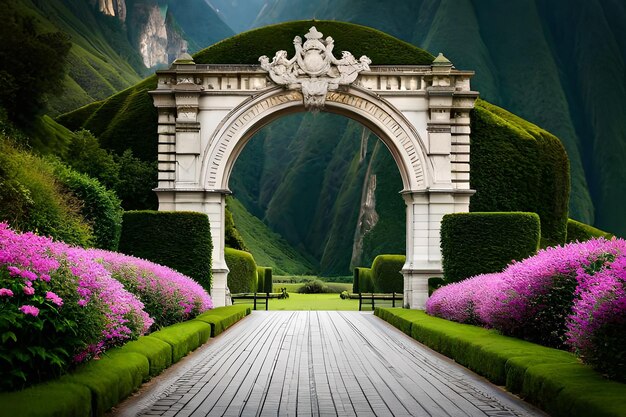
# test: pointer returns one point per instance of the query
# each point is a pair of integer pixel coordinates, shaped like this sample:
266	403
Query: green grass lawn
313	302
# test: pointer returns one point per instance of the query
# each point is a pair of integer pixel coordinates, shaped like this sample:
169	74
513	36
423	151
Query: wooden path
320	363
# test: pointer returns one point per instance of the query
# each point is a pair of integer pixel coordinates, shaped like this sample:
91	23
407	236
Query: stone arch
389	124
207	114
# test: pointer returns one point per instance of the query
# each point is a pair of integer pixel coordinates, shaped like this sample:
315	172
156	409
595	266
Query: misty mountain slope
556	63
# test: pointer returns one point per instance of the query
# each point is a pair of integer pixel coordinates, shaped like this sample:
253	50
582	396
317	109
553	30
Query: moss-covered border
98	385
552	379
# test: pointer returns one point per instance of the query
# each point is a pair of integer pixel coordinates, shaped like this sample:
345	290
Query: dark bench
369	299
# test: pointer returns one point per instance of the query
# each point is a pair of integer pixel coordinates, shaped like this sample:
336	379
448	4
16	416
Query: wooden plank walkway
320	363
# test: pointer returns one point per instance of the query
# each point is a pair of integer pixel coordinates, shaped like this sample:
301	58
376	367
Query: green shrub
100	206
264	279
314	286
479	243
243	275
517	166
180	240
31	198
581	232
363	276
232	237
158	352
386	273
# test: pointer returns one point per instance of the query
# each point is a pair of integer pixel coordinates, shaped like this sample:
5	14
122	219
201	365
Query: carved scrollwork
314	69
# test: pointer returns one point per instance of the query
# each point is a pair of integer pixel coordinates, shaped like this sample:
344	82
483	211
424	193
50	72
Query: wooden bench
371	298
256	297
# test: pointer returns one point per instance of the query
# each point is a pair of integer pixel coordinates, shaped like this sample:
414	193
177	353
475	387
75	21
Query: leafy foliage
180	240
242	277
480	243
100	207
32	65
31	198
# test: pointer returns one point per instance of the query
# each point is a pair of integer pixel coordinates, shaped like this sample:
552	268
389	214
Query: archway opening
327	185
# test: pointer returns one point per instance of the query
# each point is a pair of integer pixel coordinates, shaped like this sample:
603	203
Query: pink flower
54	298
28	309
5	292
29	290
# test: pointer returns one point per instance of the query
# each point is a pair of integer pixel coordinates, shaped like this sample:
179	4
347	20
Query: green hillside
311	193
101	61
559	64
267	247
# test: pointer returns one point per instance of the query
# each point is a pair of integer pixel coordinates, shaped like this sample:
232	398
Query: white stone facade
207	114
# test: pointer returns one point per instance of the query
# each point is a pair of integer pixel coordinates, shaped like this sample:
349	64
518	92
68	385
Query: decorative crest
314	69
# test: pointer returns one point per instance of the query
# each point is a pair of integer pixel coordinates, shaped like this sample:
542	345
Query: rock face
115	8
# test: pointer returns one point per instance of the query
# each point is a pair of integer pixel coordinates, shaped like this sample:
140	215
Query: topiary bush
480	243
363	280
242	277
517	166
100	207
264	279
180	240
386	273
581	232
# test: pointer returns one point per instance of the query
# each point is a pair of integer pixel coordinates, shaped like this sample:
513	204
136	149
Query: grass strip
554	380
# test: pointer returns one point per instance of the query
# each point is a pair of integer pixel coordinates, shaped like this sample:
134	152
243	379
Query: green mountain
117	42
560	64
328	185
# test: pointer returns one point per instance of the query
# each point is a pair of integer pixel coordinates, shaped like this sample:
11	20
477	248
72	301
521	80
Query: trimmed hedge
59	399
184	337
362	280
264	279
552	379
581	232
158	352
111	378
180	240
516	166
243	274
96	386
386	273
222	318
480	243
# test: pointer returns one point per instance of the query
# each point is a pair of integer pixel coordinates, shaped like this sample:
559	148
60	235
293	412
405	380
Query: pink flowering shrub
57	306
168	296
596	328
458	301
572	296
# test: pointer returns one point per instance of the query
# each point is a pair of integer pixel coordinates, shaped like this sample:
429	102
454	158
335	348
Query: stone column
425	209
215	208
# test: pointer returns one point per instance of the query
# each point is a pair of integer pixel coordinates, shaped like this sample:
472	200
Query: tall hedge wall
180	240
480	243
386	273
580	232
516	166
363	281
243	273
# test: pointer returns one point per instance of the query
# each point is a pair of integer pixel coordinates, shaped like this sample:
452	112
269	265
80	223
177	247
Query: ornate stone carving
313	69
